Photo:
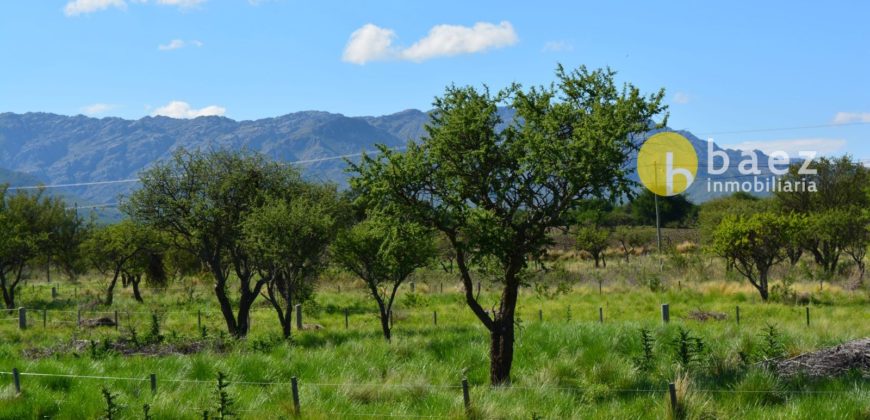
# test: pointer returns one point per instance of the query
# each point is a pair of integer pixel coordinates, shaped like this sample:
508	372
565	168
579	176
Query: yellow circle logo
667	164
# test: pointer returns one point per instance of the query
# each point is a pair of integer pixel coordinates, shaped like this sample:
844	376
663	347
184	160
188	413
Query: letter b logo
667	164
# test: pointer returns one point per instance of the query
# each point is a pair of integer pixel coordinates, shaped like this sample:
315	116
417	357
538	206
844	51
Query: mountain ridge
58	149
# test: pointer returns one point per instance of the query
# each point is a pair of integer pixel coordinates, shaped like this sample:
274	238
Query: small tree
631	239
383	252
755	243
29	226
594	241
288	242
121	251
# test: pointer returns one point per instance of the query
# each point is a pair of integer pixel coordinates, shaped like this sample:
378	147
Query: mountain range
43	148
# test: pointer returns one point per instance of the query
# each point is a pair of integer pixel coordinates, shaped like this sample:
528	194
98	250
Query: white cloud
851	117
185	4
373	43
681	98
369	43
822	146
78	7
97	109
179	43
447	40
557	46
181	109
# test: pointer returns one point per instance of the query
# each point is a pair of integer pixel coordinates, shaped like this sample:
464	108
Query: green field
567	364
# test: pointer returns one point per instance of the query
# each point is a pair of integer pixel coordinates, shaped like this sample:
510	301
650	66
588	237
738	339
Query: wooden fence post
808	316
466	398
44	318
540	314
666	313
737	313
22	318
116	320
672	390
294	385
79	318
435	317
16	378
600	315
54	293
153	384
346	315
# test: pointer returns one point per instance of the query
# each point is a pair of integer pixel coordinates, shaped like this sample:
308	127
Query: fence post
44	318
22	318
435	317
600	315
808	316
540	314
672	390
116	320
54	293
294	385
441	287
299	316
346	315
666	313
737	312
16	377
153	384
465	397
199	319
79	318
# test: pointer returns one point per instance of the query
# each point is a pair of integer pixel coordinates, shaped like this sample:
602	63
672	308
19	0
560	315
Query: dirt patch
699	315
98	322
829	362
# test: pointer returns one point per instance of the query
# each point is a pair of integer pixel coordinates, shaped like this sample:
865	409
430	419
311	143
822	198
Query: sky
739	72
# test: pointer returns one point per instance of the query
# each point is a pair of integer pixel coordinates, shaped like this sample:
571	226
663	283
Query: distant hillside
57	149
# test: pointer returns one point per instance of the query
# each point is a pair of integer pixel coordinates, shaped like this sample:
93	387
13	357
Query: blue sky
727	67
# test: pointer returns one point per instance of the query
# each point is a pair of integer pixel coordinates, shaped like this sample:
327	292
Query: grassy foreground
567	365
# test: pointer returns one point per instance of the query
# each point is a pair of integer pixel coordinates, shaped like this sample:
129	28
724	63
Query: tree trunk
501	351
762	286
385	323
8	295
135	280
110	291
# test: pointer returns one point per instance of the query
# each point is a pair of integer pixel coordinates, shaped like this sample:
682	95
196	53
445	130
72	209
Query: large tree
496	188
201	200
384	252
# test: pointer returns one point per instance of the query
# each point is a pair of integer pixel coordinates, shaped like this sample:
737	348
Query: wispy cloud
98	109
822	146
851	117
80	7
681	98
181	109
373	43
557	46
179	43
